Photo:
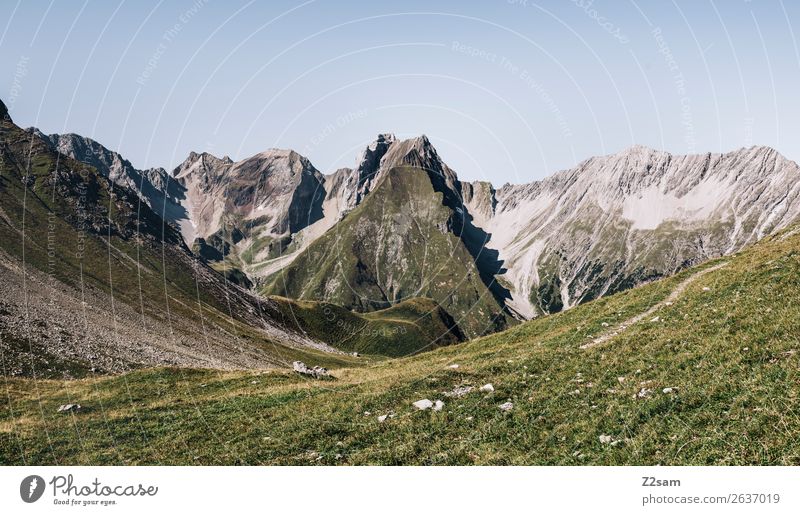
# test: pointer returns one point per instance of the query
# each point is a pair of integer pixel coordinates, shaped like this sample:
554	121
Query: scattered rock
655	319
382	418
706	288
487	388
316	372
453	366
669	389
423	404
621	379
438	405
459	391
605	439
367	413
604	324
67	408
644	393
507	406
469	419
355	354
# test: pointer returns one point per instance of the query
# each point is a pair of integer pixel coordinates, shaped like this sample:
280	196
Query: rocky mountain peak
637	149
369	160
632	159
204	163
4	112
277	160
417	152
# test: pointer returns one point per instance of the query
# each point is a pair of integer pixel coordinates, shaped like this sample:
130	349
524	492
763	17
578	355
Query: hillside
93	281
709	376
412	326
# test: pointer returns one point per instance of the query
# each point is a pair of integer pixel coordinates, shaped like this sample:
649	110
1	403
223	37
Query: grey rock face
616	221
153	186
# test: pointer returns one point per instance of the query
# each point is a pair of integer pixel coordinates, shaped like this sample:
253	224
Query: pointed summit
4	112
417	152
370	158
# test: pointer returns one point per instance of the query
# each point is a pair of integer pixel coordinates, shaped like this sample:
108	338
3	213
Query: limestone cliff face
615	221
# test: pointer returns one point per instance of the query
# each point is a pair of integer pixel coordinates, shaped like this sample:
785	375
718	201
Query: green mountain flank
399	243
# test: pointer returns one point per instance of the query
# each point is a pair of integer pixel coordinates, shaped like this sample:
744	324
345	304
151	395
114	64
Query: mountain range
399	228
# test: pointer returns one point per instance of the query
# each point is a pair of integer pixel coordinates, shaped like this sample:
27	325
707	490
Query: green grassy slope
727	346
412	326
394	246
65	219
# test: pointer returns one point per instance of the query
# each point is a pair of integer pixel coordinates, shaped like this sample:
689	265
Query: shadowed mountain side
396	245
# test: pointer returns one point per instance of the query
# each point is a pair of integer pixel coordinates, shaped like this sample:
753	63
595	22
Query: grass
728	346
412	326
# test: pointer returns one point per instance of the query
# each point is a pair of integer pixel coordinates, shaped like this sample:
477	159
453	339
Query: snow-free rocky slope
91	280
610	223
616	221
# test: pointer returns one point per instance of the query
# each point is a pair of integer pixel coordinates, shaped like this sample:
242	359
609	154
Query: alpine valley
214	278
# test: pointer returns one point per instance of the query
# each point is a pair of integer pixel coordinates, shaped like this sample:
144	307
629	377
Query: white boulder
423	404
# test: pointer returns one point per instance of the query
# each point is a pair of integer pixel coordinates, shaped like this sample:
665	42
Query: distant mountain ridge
615	221
608	224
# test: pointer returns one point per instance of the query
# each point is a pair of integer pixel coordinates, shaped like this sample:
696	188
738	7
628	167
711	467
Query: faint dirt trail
673	296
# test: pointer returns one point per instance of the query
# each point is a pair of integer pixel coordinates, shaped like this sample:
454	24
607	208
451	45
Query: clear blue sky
506	90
